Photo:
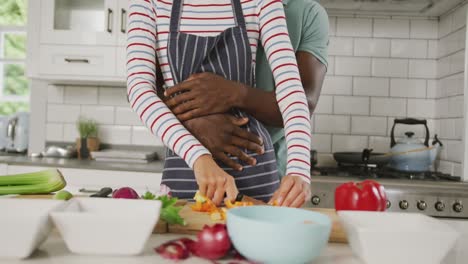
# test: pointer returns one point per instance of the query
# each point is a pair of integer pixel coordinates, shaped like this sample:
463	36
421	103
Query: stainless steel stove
431	193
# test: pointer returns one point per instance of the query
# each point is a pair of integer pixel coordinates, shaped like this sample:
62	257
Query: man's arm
263	105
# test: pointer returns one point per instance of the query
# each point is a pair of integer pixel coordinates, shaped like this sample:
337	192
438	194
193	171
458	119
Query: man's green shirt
308	30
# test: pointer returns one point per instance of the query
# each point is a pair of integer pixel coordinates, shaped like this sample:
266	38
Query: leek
32	183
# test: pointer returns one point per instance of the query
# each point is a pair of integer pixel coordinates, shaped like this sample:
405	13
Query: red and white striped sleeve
290	94
141	84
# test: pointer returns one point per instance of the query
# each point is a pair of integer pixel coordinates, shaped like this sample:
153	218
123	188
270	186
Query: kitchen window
14	87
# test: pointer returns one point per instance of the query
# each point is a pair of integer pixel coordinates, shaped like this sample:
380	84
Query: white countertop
54	251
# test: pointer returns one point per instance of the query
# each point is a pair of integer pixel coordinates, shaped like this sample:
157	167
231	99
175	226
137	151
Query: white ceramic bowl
24	225
378	237
100	226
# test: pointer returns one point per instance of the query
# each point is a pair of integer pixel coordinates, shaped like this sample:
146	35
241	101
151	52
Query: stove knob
315	200
404	205
389	204
458	207
422	205
439	206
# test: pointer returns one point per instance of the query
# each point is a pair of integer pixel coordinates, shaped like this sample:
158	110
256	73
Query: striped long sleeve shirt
148	31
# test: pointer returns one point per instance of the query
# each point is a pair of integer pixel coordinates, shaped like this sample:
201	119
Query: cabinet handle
123	20
110	15
76	60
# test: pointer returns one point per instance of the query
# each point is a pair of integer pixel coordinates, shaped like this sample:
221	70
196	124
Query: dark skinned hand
293	192
222	134
198	93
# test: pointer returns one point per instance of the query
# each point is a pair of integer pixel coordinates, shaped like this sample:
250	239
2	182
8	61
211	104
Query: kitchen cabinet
122	22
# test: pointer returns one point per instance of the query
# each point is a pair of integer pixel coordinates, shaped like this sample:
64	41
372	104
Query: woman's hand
213	182
293	192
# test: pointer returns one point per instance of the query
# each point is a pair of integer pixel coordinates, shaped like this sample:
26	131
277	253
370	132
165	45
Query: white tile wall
81	95
408	88
391	28
424	29
113	96
388	107
126	116
54	132
373	126
423	69
332	124
379	144
325	105
340	46
409	48
143	137
352	66
70	133
354	27
62	113
322	143
102	114
421	108
390	67
117	135
349	143
371	47
368	86
340	85
55	94
351	105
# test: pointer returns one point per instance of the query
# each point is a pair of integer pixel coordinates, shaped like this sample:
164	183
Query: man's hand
293	192
203	94
222	134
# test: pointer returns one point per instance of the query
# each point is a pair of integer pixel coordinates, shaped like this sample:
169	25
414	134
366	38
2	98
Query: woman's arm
290	94
141	85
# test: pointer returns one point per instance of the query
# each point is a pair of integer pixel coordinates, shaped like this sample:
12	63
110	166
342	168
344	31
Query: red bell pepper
363	196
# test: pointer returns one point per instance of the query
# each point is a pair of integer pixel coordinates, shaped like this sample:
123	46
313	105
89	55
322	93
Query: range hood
391	7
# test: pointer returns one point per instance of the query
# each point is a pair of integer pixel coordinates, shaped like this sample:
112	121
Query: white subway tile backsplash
354	27
332	26
332	124
54	132
351	105
321	143
433	49
391	28
349	143
442	108
379	144
352	66
341	85
331	65
371	86
325	105
447	128
126	116
454	150
459	18
457	62
102	114
373	126
455	106
113	96
421	108
459	129
117	135
142	136
55	94
446	167
445	25
458	170
81	95
443	67
423	69
371	47
388	106
408	88
431	89
424	29
325	160
340	46
419	130
63	113
70	133
414	48
389	67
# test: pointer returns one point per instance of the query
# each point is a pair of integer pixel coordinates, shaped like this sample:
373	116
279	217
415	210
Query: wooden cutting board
196	220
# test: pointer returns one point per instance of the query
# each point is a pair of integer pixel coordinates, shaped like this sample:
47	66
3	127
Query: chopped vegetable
63	195
46	181
230	205
148	196
125	193
364	196
212	242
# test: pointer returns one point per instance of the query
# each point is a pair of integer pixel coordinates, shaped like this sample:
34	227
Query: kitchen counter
155	166
54	251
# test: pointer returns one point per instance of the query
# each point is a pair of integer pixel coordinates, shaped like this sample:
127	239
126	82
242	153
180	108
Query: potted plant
88	141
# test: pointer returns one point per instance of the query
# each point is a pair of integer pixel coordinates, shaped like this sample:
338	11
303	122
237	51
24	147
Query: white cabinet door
121	62
122	22
85	22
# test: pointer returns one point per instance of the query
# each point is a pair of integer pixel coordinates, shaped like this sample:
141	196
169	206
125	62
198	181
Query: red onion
125	193
212	242
175	249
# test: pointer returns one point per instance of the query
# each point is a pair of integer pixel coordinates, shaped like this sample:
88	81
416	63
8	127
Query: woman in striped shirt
218	36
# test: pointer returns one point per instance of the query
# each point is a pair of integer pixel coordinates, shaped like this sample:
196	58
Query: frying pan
366	157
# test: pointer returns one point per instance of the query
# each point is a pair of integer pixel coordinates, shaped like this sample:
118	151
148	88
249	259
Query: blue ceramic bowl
269	234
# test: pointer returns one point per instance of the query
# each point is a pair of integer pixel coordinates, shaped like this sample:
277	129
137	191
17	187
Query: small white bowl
379	237
100	226
24	225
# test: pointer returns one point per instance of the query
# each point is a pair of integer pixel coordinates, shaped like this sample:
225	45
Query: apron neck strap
176	14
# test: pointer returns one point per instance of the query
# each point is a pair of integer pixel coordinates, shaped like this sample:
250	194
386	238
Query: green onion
32	183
